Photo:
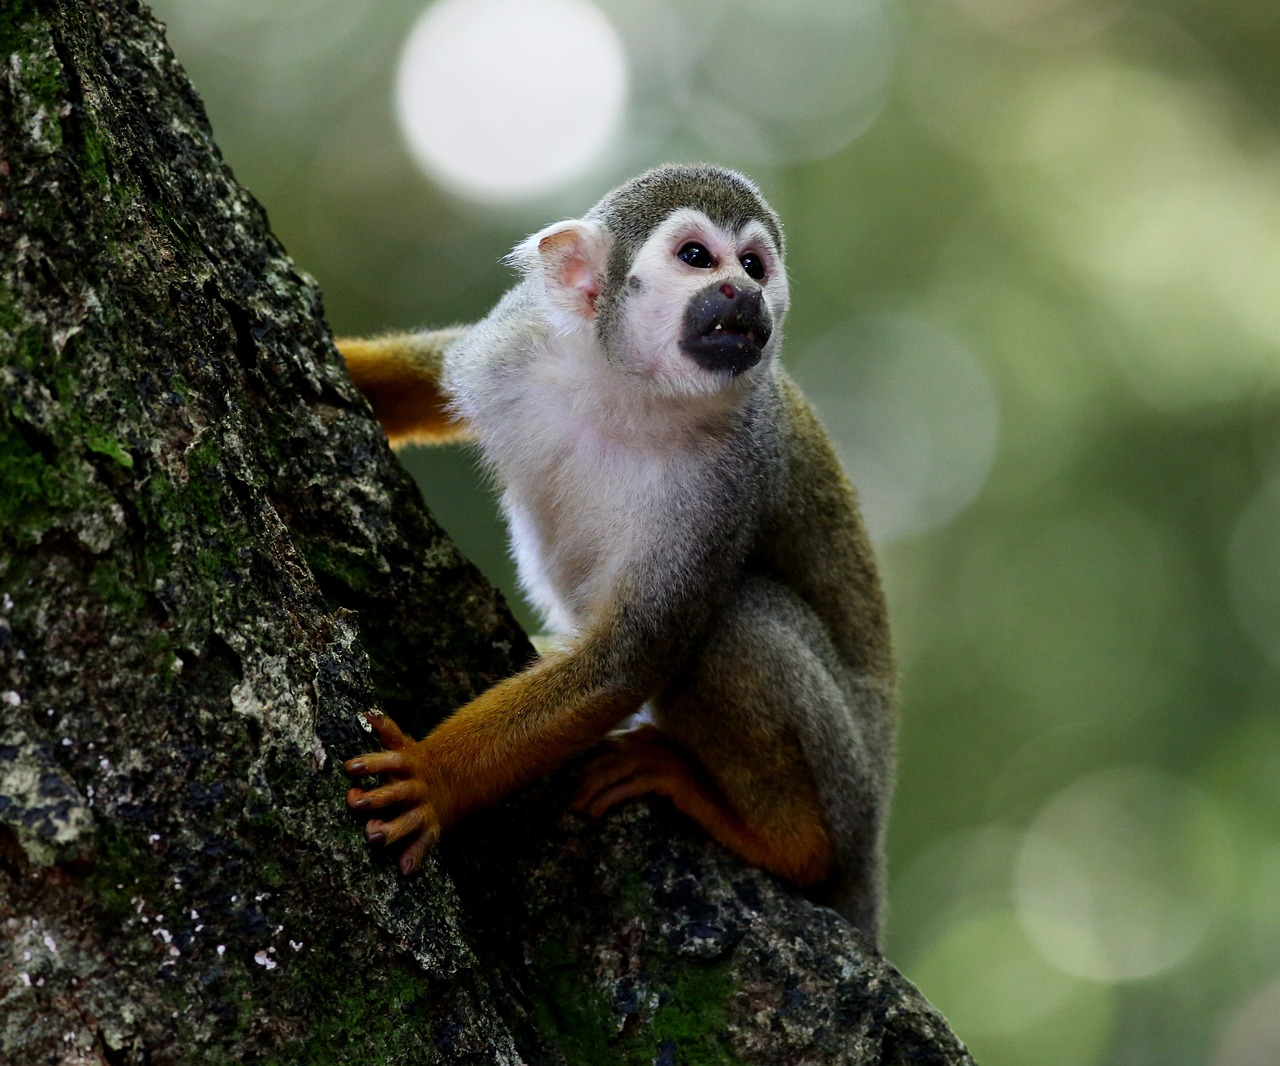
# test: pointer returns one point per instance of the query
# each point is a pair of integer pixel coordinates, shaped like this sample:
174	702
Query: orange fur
644	761
402	383
511	735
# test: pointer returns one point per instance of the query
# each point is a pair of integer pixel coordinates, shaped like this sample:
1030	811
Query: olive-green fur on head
632	211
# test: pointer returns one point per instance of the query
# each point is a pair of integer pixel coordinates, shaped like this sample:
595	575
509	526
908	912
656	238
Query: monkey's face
701	305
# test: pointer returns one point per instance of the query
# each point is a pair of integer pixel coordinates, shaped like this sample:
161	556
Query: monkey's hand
421	801
635	763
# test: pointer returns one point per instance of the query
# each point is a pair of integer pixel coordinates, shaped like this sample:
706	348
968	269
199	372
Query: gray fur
744	603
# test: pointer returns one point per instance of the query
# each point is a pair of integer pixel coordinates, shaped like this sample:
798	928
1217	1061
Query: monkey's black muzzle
726	327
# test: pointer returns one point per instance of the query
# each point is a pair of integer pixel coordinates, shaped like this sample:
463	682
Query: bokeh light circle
1122	873
1010	1004
778	83
917	421
507	99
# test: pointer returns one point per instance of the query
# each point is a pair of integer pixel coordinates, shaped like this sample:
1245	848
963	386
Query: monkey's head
678	275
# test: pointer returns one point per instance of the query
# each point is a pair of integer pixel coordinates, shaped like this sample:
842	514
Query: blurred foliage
1037	293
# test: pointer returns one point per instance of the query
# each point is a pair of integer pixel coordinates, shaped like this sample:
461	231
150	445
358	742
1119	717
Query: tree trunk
210	566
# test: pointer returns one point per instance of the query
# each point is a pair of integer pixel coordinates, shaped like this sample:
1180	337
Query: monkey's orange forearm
520	730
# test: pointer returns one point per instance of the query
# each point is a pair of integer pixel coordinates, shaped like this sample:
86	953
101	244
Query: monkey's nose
726	327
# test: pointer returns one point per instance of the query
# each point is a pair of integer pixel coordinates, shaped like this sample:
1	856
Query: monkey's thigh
761	706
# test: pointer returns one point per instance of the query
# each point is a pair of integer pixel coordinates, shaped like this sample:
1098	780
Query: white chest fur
588	459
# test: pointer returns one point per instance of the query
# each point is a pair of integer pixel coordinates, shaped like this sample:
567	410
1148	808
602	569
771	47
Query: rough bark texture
210	565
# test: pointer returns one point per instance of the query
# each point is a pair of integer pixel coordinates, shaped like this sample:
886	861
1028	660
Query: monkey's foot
635	763
412	790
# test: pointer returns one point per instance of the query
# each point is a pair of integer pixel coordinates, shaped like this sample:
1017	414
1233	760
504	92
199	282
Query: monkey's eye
753	265
696	256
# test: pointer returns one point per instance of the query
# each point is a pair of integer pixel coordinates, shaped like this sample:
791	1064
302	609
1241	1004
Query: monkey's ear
570	257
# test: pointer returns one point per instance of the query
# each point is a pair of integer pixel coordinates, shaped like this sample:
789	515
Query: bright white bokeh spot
913	415
507	99
1122	874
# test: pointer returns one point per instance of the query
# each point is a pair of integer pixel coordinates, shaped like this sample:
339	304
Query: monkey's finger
377	762
392	736
412	855
410	823
409	790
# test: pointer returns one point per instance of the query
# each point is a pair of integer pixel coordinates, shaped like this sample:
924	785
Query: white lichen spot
153	838
165	935
296	945
222	949
194	914
48	942
11	698
8	602
199	927
26	955
263	959
175	952
66	742
104	763
26	979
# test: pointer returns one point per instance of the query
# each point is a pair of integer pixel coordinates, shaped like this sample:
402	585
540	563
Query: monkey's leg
400	375
769	746
743	774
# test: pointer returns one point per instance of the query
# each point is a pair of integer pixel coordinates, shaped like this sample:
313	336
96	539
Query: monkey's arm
511	735
400	374
514	733
527	725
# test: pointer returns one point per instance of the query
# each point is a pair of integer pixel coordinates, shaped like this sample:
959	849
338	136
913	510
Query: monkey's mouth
726	327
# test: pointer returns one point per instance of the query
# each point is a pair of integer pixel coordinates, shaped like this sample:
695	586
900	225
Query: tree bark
210	566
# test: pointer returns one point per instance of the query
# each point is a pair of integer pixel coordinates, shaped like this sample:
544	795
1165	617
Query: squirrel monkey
677	512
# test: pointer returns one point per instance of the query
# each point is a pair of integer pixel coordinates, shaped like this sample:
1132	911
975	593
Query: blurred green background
1035	260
